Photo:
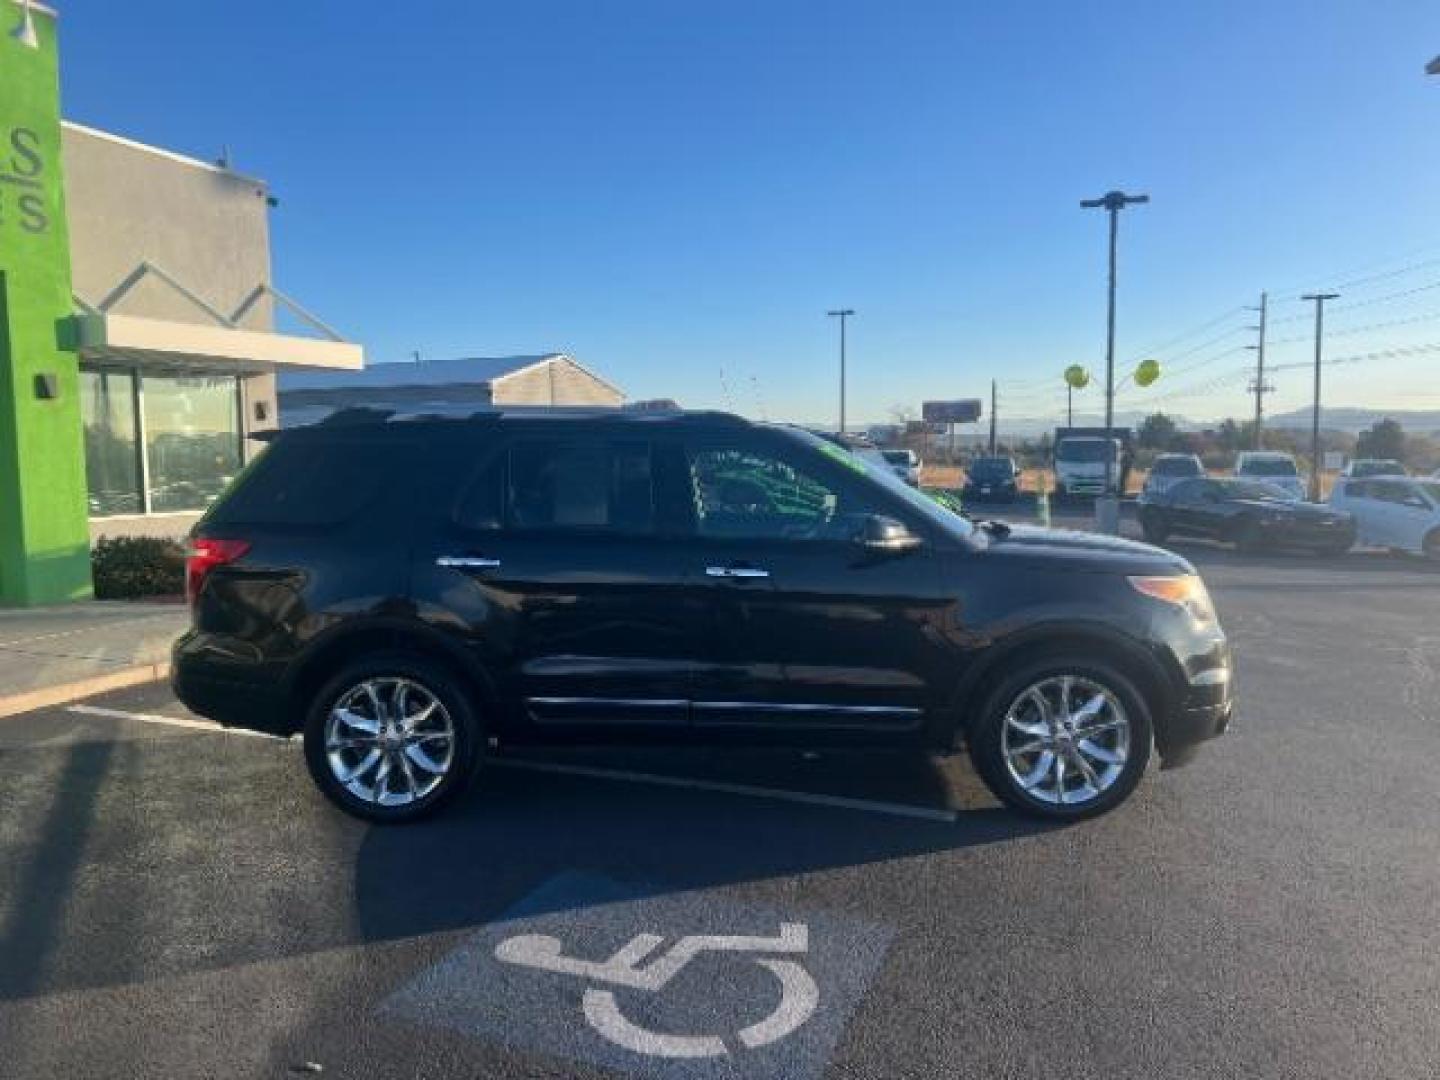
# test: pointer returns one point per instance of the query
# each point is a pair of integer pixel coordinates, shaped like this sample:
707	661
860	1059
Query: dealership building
138	341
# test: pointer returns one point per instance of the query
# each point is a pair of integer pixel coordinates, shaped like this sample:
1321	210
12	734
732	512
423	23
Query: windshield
1432	489
992	467
1083	450
917	500
898	457
1378	468
1268	467
1176	467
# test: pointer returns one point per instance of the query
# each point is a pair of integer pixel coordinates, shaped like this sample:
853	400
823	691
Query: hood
1070	550
1303	510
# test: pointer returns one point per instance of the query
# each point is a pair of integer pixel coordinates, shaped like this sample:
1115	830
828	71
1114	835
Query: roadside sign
655	983
1334	460
966	411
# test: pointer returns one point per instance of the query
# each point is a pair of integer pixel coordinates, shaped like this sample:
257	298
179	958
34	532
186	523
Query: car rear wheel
1062	739
391	738
1247	536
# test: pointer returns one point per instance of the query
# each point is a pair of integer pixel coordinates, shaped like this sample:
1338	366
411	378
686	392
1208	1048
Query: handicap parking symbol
656	984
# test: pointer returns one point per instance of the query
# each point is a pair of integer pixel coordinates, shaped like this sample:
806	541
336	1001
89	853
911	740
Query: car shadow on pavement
516	830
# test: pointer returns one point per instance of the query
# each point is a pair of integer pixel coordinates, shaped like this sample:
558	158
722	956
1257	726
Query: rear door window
574	484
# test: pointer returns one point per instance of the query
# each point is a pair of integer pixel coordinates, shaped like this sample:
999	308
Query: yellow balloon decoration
1077	377
1147	372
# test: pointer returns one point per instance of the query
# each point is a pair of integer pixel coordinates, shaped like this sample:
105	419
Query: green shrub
126	567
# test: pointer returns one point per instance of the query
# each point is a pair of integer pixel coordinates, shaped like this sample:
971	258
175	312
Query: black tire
986	736
444	687
1431	546
1247	536
1153	528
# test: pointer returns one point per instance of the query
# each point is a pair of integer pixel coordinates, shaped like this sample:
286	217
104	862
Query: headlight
1186	591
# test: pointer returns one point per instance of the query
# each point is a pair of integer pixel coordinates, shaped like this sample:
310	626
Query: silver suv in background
1273	468
1168	470
905	464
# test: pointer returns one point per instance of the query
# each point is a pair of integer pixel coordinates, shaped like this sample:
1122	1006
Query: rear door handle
736	572
467	562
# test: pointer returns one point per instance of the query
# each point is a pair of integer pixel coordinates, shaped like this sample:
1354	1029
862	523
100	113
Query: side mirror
884	535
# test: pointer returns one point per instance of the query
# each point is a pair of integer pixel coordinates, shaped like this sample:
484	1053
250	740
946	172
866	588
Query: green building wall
44	536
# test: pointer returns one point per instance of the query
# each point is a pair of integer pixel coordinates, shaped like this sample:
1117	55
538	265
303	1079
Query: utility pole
1112	202
842	314
1319	299
993	400
1069	405
1259	387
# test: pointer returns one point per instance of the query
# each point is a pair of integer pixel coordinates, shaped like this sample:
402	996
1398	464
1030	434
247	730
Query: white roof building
445	387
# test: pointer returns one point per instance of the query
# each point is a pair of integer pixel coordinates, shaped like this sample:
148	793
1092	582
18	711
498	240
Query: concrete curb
47	696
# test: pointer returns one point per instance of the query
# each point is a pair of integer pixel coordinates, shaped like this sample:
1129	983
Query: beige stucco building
170	264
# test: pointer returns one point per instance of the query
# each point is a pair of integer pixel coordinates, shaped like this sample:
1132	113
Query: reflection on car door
808	629
571	589
1406	514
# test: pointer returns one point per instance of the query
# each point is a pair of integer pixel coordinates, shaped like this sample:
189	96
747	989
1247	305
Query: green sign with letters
44	529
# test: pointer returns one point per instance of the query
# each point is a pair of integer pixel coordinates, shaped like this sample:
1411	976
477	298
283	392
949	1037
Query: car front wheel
1432	545
391	738
1062	739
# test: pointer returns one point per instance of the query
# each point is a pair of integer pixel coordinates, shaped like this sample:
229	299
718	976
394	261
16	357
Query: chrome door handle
467	562
735	572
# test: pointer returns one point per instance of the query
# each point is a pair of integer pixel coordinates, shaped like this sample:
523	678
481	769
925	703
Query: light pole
1113	202
1319	299
842	314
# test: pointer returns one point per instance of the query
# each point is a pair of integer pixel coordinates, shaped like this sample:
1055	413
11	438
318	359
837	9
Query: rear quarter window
311	482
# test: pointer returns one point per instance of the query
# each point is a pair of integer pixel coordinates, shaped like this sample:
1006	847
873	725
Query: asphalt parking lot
176	901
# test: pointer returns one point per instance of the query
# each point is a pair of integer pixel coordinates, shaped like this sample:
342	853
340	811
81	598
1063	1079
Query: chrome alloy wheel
1066	740
389	741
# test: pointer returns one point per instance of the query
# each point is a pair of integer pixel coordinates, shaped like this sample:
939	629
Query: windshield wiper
995	528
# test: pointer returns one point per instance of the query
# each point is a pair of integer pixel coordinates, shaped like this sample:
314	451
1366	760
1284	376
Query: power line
1164	345
1429	316
1386	298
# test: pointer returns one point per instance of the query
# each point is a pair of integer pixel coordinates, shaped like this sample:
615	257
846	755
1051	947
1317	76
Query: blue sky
671	190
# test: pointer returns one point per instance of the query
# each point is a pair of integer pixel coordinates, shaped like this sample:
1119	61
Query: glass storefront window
112	462
191	436
192	439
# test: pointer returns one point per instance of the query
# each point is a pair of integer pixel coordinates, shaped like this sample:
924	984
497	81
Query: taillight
204	555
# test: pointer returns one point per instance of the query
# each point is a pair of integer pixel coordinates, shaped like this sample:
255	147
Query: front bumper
1202	712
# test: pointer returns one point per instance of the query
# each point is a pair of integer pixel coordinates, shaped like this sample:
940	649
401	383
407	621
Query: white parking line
924	813
171	721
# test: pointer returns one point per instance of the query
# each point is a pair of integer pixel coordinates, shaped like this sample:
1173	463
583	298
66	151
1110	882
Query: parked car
1361	467
906	465
992	479
1277	470
402	592
1168	470
1393	511
1245	513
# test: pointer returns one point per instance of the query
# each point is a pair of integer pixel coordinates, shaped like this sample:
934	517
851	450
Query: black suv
410	593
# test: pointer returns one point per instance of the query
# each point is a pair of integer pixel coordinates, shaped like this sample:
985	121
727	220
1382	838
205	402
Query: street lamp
1319	300
842	314
1107	509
